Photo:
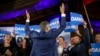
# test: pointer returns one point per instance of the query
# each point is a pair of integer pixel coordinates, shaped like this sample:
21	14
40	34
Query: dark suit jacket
92	38
44	43
81	49
64	53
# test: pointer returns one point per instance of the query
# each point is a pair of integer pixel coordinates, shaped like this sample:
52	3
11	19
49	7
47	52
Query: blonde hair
43	25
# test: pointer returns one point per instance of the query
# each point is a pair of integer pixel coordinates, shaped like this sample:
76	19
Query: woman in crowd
8	48
95	38
25	47
22	48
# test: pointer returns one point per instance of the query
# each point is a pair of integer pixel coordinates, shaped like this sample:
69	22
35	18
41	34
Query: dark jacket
92	39
45	42
12	48
64	53
25	51
82	48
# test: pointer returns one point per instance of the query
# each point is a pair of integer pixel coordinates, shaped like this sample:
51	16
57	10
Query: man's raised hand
27	15
84	24
62	8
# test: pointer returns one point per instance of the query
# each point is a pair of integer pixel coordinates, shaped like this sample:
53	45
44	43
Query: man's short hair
43	25
73	34
97	33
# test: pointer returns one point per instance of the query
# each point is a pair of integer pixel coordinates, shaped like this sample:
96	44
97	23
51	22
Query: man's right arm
27	29
92	39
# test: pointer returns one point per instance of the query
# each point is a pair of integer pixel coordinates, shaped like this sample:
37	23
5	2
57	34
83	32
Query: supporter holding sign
95	49
95	46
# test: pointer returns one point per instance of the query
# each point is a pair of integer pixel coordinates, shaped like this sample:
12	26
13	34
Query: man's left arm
63	21
86	35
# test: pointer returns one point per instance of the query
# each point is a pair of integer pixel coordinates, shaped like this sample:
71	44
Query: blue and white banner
35	28
95	49
20	29
55	23
70	28
76	18
3	32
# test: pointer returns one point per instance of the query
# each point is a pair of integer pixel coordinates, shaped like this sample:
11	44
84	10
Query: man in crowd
79	44
62	51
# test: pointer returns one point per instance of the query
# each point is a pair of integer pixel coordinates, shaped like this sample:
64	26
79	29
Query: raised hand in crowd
78	32
27	15
8	52
84	24
91	29
62	8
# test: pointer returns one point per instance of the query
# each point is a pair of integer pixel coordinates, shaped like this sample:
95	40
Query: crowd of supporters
80	43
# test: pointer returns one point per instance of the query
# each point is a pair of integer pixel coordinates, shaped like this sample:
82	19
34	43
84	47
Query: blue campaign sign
35	28
3	32
20	29
70	28
76	18
55	23
95	49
